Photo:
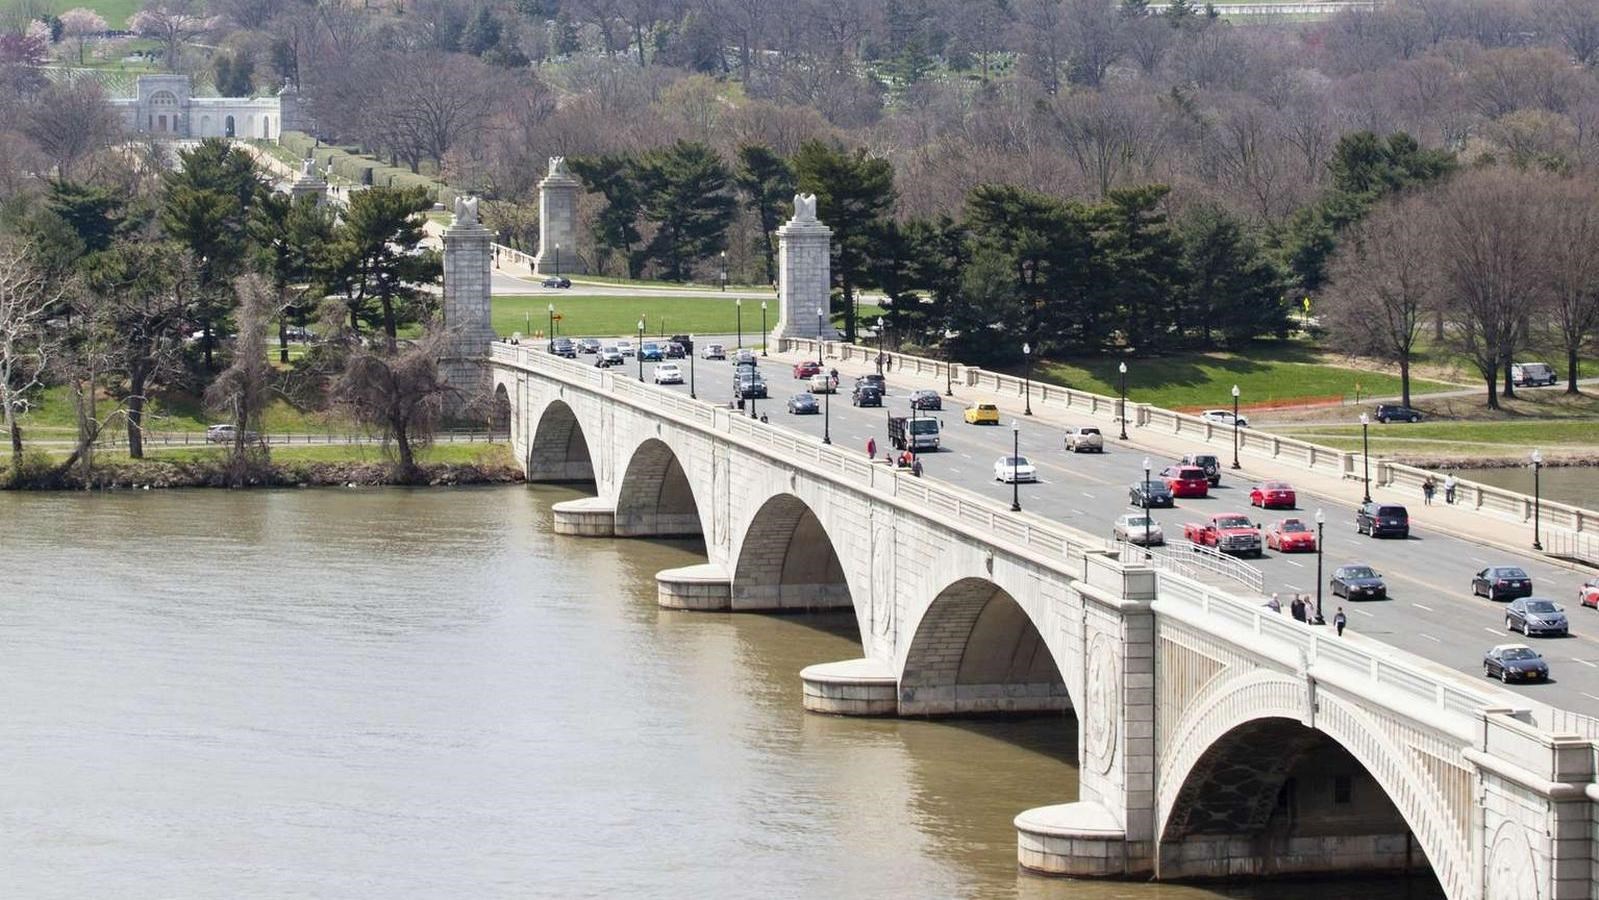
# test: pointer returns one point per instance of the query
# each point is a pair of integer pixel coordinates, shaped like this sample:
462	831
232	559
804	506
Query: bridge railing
1195	561
1499	503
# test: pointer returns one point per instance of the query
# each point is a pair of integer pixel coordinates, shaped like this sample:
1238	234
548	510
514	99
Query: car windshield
1204	460
1277	486
1015	461
1190	474
1519	653
1140	521
987	407
804	398
1294	525
1509	573
1090	431
1359	572
1541	606
1232	522
924	426
1390	510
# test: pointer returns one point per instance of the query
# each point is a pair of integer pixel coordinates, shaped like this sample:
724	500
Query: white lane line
1422	606
1363	612
1294	564
1588	695
1480	560
1429	637
1585	662
1490	630
1086	494
1078	512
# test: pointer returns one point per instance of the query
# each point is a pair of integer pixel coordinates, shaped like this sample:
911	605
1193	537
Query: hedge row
351	164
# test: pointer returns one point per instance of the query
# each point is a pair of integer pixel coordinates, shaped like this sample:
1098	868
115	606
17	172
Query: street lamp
1365	457
1146	503
550	334
724	271
949	366
763	327
1321	521
1122	413
738	317
1537	464
821	320
1235	428
638	350
827	395
1015	453
691	394
879	345
1027	379
557	259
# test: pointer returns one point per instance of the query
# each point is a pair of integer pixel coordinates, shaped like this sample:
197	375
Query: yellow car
982	414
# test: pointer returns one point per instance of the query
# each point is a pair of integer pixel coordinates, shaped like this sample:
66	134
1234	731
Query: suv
686	340
749	385
1084	439
1532	374
866	394
588	345
564	347
927	400
1393	412
876	381
1382	520
1207	461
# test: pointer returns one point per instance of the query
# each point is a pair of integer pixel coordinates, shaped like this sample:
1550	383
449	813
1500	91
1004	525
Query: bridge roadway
1430	610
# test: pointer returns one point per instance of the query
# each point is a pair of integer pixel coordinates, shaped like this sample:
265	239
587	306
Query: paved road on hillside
1430	611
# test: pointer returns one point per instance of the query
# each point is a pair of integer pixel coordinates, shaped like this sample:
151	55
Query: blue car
652	352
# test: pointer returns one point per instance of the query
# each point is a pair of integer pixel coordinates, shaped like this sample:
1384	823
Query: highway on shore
1430	611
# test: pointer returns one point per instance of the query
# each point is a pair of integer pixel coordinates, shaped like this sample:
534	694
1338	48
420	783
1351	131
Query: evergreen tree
615	228
1232	287
375	262
1047	246
290	236
1140	261
95	214
482	33
683	190
768	185
854	195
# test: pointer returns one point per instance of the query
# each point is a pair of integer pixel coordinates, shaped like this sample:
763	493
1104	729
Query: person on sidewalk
1274	604
916	467
1340	620
1297	607
871	448
1449	489
1428	488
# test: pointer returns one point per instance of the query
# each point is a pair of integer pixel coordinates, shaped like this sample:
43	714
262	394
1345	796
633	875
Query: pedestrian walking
871	448
1428	488
916	467
879	363
1298	609
1274	604
1340	620
1449	489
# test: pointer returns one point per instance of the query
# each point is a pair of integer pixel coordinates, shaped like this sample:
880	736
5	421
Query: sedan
1290	536
1011	469
1186	481
1224	417
588	345
981	414
803	405
866	395
1535	615
556	281
563	348
1358	583
1138	528
674	350
807	368
1515	662
1588	594
745	358
926	400
652	352
1147	494
1273	495
1501	583
668	373
823	383
625	348
713	351
608	357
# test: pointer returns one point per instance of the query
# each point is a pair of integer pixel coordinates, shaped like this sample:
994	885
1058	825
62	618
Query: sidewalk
1454	521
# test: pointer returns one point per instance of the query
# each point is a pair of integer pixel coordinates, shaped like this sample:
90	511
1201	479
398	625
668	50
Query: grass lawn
586	315
1462	426
478	453
52	416
116	12
1266	374
655	283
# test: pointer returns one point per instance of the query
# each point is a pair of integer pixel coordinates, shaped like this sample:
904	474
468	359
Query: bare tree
401	394
1577	24
242	391
27	296
1384	286
70	122
1570	235
173	23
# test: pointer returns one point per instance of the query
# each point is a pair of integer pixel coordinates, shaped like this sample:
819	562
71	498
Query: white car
668	373
1224	417
1014	468
713	351
1138	528
745	358
626	348
1085	439
823	383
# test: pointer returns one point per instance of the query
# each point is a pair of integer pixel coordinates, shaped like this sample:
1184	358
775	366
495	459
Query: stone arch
500	412
654	498
1225	779
787	561
976	650
559	451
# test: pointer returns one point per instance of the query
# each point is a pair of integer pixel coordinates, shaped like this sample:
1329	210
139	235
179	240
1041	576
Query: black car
1358	583
674	350
556	281
1515	662
1536	615
588	345
1207	461
926	399
750	386
803	404
1393	412
685	340
1382	520
1149	494
1501	583
564	347
865	395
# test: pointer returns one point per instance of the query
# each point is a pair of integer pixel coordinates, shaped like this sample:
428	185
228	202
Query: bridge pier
588	517
1081	840
705	588
853	687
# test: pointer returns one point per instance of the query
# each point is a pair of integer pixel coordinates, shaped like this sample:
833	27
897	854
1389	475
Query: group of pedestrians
1303	610
906	459
1430	487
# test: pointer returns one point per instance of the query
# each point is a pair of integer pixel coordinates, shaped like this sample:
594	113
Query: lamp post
949	366
1146	503
879	345
724	272
1122	413
752	406
1321	521
827	395
1235	428
738	318
1027	380
638	350
1015	452
763	327
1537	464
691	354
1365	458
557	259
550	334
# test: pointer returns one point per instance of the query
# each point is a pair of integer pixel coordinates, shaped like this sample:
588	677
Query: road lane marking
1086	494
1422	606
1588	695
1363	612
1429	637
1294	564
1584	662
1490	630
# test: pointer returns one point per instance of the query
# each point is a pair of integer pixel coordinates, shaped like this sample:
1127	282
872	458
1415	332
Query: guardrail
1194	561
198	439
1497	502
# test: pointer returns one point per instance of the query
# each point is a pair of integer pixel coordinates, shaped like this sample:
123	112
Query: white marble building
164	107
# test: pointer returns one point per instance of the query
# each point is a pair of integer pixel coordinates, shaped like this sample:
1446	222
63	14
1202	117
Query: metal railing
1194	561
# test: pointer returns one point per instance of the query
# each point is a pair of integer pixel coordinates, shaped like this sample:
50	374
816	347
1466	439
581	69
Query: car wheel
1504	676
1491	594
1487	670
1415	419
1510	625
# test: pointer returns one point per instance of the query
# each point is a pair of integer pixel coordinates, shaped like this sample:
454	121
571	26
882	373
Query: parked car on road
1290	536
1382	520
1536	615
1224	417
803	404
1010	469
1186	481
1533	374
926	400
713	351
1084	439
1501	583
1514	662
1138	528
865	395
807	368
1207	461
823	383
556	281
588	345
1150	494
1358	582
668	373
1273	495
981	414
1393	412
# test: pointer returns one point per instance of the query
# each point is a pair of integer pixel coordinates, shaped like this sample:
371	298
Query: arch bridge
1216	739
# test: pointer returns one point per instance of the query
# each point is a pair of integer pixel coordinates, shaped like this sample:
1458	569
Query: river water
390	693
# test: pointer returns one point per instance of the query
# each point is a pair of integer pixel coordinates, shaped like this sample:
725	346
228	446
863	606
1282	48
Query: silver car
1084	439
1138	528
1536	615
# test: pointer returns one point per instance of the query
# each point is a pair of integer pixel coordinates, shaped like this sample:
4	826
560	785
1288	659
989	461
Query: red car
1273	495
807	368
1291	536
1588	594
1186	481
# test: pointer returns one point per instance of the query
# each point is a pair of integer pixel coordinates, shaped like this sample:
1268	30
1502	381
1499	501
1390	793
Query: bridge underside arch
655	499
977	651
1274	797
787	561
559	451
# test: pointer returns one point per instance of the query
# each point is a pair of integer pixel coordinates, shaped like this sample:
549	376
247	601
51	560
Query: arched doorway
977	651
227	127
500	413
654	498
787	561
559	451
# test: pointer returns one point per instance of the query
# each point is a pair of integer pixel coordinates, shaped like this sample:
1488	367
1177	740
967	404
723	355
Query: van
1532	374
